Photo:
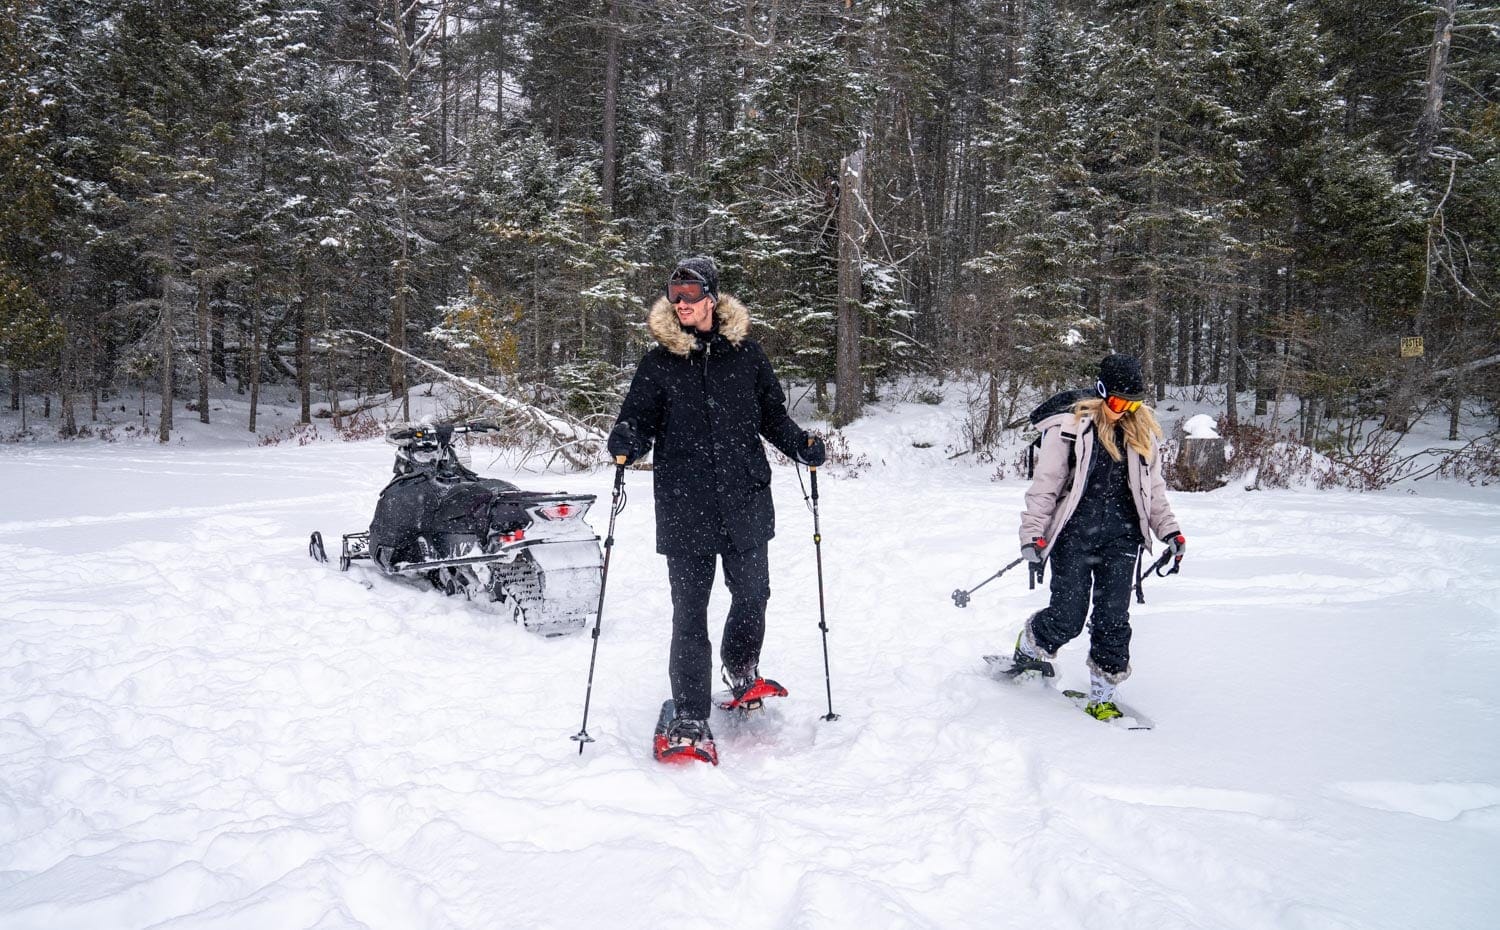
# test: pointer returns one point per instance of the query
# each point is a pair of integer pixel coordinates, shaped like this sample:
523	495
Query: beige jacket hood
1056	490
661	322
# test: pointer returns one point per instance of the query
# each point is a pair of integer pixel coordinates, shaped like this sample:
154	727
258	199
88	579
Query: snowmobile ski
1002	667
678	752
753	697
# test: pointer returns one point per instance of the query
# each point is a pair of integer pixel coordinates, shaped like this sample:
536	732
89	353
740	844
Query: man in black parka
703	398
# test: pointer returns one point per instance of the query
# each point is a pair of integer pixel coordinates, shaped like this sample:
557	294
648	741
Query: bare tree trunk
1184	342
990	433
611	92
205	353
330	378
164	428
94	376
500	67
15	389
220	366
1153	243
254	365
66	386
849	400
1437	75
443	87
304	361
1455	405
1232	362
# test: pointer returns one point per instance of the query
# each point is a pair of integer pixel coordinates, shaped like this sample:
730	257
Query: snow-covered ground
201	727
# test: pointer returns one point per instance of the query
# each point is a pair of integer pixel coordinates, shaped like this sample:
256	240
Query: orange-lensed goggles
688	292
1118	404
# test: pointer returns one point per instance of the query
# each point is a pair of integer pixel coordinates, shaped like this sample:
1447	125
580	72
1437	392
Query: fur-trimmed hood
732	316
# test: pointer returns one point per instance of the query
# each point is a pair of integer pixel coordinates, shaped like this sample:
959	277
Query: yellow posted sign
1411	346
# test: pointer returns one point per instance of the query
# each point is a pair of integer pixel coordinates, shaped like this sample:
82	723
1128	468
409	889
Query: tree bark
165	359
205	354
66	387
848	402
1232	363
1437	76
443	88
254	363
220	365
304	361
500	67
611	93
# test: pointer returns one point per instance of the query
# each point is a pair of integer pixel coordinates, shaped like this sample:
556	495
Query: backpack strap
1071	437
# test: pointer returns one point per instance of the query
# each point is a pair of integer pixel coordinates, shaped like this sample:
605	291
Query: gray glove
1032	551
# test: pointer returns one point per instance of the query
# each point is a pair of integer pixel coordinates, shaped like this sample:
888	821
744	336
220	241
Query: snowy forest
1269	199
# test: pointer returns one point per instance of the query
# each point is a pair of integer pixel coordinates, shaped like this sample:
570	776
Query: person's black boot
748	690
1023	663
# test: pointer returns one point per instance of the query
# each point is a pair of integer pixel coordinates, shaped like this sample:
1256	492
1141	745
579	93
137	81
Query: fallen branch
577	443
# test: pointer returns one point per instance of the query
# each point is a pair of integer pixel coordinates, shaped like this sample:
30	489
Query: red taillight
513	536
556	511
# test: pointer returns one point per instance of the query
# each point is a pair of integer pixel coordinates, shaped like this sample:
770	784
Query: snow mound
1201	426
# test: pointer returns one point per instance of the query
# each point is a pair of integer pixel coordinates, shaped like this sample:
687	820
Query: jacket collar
661	322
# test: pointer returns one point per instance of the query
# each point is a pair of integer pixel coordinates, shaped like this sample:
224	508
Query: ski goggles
1115	402
685	292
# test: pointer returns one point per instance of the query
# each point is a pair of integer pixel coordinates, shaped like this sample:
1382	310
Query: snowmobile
532	553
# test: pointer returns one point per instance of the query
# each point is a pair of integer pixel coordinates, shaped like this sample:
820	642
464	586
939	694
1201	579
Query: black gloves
810	450
623	440
1032	551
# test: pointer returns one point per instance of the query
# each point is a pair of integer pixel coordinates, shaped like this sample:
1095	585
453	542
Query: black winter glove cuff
811	450
624	440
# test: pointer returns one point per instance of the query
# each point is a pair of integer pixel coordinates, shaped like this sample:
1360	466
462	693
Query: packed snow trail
204	728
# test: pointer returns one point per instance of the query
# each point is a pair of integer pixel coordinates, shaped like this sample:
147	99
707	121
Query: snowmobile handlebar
441	433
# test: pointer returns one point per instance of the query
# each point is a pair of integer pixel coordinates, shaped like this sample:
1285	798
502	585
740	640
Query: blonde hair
1142	431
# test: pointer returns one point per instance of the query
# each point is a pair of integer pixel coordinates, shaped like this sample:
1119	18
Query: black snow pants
1082	562
747	575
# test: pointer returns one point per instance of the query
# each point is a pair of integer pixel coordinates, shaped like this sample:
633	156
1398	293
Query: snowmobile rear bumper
550	584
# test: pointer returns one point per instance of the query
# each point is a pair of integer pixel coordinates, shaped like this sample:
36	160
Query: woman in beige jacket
1089	514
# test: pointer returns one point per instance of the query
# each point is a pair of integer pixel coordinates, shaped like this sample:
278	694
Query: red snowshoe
683	739
750	693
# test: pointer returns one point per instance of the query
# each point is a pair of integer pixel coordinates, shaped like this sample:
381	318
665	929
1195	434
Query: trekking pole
1155	568
822	616
616	504
961	597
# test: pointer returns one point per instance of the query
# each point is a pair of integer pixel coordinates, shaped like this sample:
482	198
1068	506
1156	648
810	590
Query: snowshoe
683	739
748	691
1103	710
1020	667
1111	712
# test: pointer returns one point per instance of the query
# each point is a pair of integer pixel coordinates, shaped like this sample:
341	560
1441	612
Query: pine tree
1042	221
30	335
